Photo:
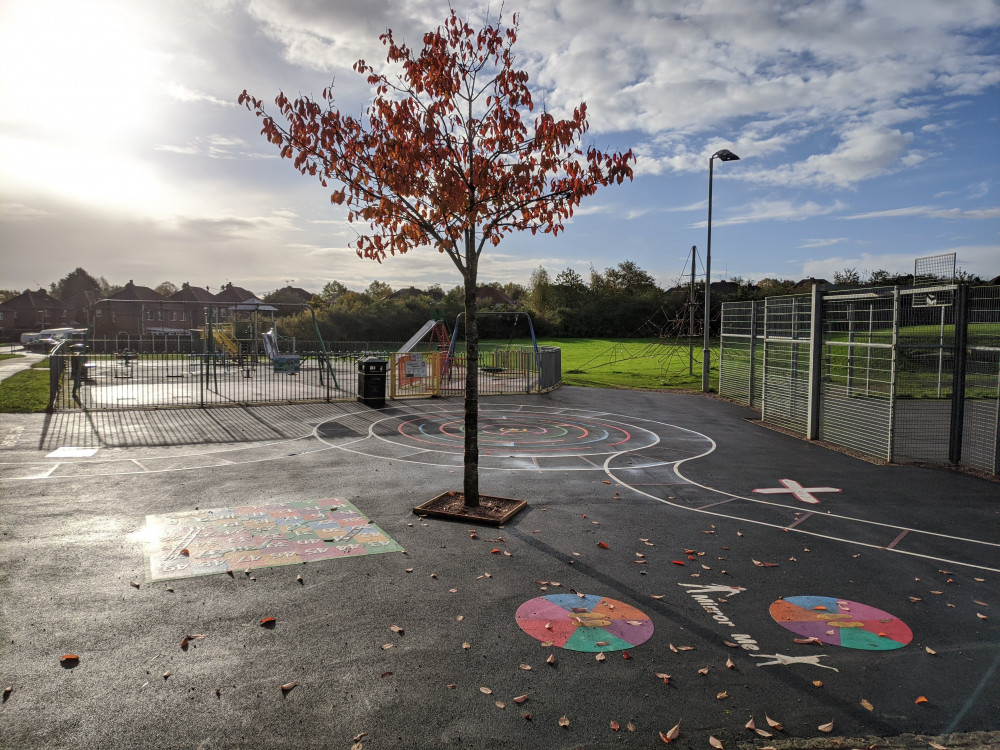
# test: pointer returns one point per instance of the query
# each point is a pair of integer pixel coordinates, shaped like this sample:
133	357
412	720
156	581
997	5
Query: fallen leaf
486	691
603	545
615	725
396	629
386	646
69	660
601	643
167	674
460	617
974	601
729	664
920	700
673	648
773	724
500	704
134	584
657	596
508	554
825	727
7	692
750	724
703	670
564	722
936	746
930	651
867	704
551	659
713	741
466	645
762	733
721	696
630	726
817	683
981	616
685	648
186	552
288	686
267	622
386	674
600	656
760	564
731	644
664	677
452	591
299	579
812	639
678	562
673	734
526	667
521	698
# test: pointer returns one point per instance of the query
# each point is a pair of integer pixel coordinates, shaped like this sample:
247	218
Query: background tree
166	288
73	283
444	157
332	290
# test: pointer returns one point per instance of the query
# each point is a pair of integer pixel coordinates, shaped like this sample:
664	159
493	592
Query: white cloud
775	210
928	212
825	242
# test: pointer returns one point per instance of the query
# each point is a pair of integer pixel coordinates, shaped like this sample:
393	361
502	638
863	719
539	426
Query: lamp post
722	155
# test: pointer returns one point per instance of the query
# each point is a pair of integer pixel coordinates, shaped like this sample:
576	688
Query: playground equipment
496	360
413	366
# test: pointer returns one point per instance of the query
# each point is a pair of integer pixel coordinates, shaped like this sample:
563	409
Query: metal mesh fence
857	371
981	424
741	352
905	374
785	388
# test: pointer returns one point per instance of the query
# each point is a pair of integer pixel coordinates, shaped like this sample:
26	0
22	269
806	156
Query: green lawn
25	391
10	356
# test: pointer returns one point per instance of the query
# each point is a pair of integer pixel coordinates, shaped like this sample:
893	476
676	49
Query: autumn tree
445	157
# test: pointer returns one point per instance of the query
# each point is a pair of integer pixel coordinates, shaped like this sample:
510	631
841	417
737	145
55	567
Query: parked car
50	338
27	338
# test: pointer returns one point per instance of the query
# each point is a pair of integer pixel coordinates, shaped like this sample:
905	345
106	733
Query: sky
867	131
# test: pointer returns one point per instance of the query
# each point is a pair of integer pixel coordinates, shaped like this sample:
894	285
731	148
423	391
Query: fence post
815	363
961	339
897	300
753	349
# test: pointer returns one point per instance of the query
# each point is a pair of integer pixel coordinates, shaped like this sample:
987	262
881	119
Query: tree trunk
471	462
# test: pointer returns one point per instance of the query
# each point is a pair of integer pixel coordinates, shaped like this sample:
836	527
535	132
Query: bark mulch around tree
491	510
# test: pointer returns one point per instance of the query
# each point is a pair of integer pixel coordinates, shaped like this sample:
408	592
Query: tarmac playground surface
677	563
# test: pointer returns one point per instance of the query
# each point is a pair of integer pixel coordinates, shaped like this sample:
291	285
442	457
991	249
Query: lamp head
725	155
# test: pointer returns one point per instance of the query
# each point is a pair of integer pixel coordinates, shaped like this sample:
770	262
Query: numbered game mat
222	540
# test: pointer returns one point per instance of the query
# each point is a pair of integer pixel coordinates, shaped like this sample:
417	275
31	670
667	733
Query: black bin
371	381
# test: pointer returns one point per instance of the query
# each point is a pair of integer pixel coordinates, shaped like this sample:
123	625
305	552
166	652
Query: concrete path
674	536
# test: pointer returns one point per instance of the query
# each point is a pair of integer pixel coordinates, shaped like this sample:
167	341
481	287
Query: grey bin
371	381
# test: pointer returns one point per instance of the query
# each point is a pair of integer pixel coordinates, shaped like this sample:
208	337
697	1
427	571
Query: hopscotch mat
221	540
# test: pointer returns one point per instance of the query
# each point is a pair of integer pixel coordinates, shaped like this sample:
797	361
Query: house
138	311
32	311
490	296
195	300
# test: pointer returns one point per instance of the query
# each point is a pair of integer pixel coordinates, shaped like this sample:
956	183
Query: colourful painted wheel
590	623
840	622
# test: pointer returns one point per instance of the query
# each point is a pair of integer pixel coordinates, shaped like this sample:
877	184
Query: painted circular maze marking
525	434
591	623
840	622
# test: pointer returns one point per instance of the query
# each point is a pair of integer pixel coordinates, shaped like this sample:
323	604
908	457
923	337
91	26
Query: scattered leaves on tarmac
715	742
563	721
867	704
551	659
615	725
826	727
930	651
920	699
69	660
396	629
486	691
288	687
268	622
760	564
773	723
521	698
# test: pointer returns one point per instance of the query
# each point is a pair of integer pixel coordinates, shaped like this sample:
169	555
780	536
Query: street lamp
722	155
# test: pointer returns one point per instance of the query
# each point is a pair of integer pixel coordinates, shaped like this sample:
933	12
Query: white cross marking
794	488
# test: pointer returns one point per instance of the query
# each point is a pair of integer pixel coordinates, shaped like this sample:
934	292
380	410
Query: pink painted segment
898	539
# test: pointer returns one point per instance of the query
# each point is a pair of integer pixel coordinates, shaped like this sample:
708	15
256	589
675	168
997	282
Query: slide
424	330
270	344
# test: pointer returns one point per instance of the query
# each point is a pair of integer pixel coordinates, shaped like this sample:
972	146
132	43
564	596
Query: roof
230	293
490	295
188	293
34	301
137	293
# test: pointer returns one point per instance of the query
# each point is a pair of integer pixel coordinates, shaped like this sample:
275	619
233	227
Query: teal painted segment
586	639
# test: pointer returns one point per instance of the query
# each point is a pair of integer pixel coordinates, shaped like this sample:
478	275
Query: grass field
634	363
25	392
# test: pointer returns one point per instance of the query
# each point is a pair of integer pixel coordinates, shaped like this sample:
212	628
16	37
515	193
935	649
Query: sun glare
76	70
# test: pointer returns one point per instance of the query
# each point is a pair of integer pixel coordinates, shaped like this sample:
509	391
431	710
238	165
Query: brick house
138	311
31	312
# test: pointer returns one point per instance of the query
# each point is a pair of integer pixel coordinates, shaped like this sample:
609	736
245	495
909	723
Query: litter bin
371	381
